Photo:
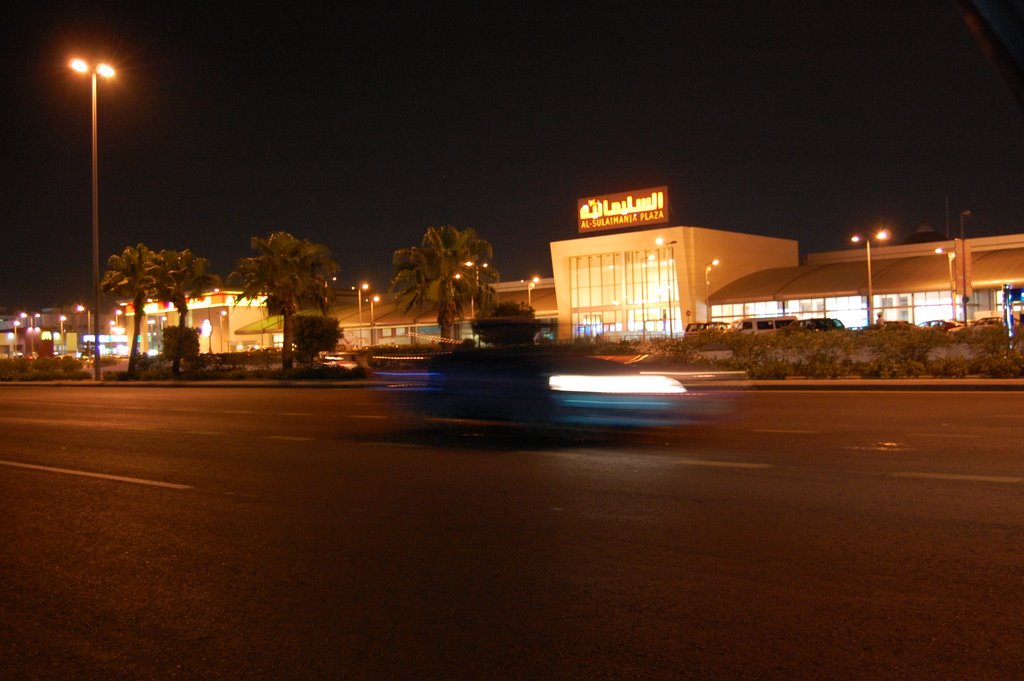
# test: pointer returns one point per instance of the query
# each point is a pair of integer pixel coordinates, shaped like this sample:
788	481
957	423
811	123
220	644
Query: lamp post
64	343
359	295
950	257
708	266
881	235
107	72
14	346
965	296
660	241
220	327
28	331
529	291
373	330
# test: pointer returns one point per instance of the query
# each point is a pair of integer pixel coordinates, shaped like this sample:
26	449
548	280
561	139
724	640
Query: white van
761	324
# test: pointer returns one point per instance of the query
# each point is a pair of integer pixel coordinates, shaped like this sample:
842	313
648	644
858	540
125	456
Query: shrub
314	334
948	367
1007	366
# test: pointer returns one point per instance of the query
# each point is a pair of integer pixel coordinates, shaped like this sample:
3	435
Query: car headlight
635	384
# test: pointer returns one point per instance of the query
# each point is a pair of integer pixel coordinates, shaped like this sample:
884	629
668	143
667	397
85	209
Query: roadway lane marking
296	413
407	445
288	438
784	431
203	432
101	476
368	416
722	464
965	436
957	476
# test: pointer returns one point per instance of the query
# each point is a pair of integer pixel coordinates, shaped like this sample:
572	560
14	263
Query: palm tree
130	275
179	275
444	272
292	273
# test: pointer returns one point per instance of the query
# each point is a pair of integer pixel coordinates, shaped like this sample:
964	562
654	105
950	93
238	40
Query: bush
948	367
891	345
43	369
314	334
1007	366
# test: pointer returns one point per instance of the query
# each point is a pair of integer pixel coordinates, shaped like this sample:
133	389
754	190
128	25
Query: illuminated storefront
653	282
911	283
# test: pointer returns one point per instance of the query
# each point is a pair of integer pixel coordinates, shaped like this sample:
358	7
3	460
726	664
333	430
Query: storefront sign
627	209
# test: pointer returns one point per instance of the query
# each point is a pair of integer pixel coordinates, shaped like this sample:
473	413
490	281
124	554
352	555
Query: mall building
630	274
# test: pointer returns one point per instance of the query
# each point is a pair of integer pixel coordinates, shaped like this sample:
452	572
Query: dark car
943	324
697	327
555	391
818	324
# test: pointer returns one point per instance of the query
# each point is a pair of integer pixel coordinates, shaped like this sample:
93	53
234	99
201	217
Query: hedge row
893	351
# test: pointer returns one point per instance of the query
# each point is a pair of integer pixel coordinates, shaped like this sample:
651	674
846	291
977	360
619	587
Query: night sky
361	127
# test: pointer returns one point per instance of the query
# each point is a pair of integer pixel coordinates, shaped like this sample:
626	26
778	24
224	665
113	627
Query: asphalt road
303	533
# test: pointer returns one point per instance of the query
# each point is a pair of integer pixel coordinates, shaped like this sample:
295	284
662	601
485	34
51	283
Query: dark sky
358	128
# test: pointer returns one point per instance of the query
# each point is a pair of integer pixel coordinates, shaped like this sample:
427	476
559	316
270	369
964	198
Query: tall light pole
63	340
950	257
373	330
529	291
363	288
708	266
223	317
881	235
964	297
14	348
107	72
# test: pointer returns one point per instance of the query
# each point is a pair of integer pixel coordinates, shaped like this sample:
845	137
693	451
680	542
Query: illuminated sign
628	209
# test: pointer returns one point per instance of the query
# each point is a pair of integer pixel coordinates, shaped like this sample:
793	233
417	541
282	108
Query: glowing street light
107	72
14	343
950	257
880	235
363	288
963	263
708	266
529	290
373	330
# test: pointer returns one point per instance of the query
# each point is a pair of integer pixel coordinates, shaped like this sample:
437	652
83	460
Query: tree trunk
133	356
182	317
286	345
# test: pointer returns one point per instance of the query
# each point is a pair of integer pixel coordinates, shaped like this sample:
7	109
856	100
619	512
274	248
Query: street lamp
63	340
708	266
107	72
14	346
965	296
660	241
476	283
950	257
881	235
220	327
373	330
529	291
359	295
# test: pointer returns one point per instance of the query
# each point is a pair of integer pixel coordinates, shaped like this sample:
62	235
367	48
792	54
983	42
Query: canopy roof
990	269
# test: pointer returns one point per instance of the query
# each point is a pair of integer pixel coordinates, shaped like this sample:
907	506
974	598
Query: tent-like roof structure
990	269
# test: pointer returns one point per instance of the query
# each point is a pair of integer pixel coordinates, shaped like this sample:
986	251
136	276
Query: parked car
818	324
761	324
944	324
697	327
988	321
982	322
